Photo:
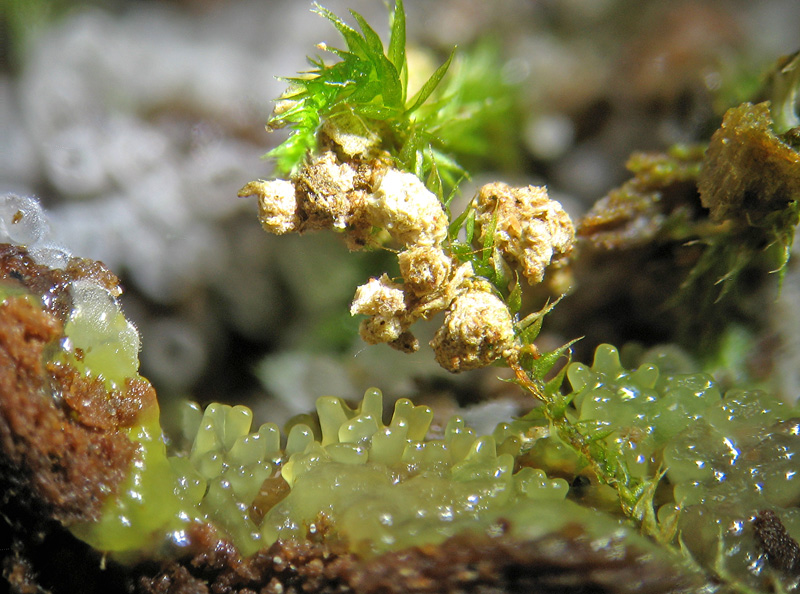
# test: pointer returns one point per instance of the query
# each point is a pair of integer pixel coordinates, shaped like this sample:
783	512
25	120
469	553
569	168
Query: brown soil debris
59	432
781	549
92	405
47	450
63	449
567	562
17	266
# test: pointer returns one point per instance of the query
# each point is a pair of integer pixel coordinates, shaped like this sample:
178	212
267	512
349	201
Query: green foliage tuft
464	108
368	82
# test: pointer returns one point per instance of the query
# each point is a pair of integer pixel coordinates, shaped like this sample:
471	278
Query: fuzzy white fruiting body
410	212
530	230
